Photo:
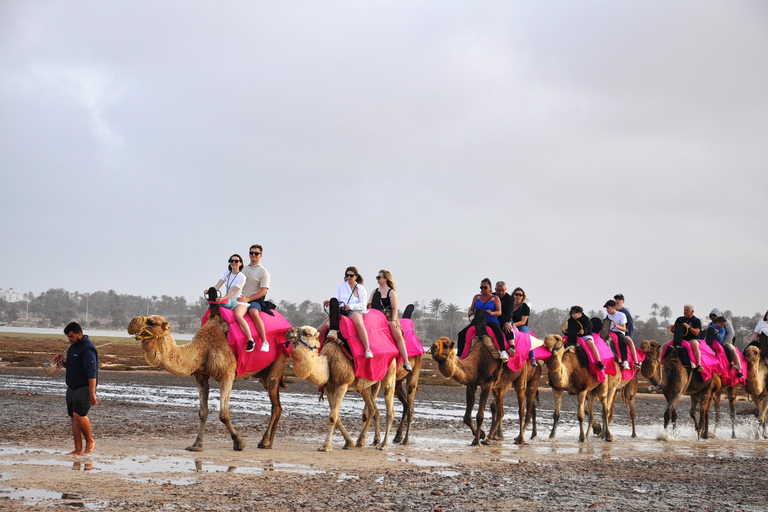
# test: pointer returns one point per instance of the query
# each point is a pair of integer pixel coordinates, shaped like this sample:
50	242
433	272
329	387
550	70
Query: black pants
622	345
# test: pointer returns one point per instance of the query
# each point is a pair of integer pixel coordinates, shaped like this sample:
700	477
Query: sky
575	149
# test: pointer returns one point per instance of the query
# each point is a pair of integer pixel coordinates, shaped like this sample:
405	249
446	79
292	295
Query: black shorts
79	400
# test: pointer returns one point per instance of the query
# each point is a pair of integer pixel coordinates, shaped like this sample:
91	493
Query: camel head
306	336
442	349
553	342
752	355
650	367
151	331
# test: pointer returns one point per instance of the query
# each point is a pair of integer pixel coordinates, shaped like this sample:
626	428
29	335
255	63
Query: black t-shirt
694	323
520	312
507	303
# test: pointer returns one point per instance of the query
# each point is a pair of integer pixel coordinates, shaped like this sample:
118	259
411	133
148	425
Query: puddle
29	496
344	477
417	462
449	473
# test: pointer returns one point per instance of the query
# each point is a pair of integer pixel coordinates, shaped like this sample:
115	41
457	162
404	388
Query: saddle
581	355
682	354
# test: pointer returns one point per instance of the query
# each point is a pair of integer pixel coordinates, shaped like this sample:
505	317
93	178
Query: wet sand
140	462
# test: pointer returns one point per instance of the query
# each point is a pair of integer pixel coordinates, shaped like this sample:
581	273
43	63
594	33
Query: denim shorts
79	400
254	305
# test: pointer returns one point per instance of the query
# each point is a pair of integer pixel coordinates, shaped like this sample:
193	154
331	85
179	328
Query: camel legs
580	399
497	412
388	386
272	385
225	390
405	390
372	412
471	388
520	388
670	414
203	388
557	395
335	397
485	392
530	409
761	406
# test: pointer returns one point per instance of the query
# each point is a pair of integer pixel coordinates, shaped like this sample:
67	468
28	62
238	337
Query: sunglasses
252	253
483	287
517	294
349	275
380	277
234	261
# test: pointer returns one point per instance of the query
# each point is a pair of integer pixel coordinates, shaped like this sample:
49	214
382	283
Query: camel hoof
382	447
519	440
324	449
397	439
405	442
348	446
485	442
239	445
194	448
608	439
265	446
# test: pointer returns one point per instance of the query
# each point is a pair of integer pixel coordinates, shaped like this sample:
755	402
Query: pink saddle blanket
380	340
714	362
274	326
413	344
606	356
522	348
626	374
471	335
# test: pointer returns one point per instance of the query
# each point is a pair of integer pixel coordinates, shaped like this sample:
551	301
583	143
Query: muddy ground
140	462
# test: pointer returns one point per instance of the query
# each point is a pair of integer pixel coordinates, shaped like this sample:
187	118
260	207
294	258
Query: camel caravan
362	354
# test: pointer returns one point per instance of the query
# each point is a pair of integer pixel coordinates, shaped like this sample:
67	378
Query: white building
11	295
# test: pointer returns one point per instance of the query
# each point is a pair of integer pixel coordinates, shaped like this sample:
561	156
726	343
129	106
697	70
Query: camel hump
408	311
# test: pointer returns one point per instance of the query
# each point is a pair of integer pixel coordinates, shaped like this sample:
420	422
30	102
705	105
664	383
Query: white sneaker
368	354
265	347
407	366
504	355
625	365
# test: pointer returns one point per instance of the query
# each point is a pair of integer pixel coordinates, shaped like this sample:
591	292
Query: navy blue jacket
82	363
630	324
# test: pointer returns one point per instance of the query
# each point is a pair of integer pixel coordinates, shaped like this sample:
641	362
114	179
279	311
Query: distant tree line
434	319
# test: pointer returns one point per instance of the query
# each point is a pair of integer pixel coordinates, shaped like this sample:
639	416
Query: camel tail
625	395
282	384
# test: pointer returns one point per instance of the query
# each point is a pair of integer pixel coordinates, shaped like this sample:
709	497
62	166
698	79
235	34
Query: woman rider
384	299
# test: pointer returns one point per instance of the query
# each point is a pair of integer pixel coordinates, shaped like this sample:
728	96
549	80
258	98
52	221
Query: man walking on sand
82	366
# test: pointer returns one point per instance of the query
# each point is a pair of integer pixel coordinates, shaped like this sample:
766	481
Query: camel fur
757	384
332	370
208	356
566	374
675	380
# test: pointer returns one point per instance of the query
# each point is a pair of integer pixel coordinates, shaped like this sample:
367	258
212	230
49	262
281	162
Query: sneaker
534	363
625	365
331	335
699	368
250	346
407	366
600	365
638	366
368	354
739	375
265	347
504	355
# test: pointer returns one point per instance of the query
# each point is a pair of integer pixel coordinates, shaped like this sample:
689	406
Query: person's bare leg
632	348
593	348
78	436
239	312
696	351
397	333
357	319
258	323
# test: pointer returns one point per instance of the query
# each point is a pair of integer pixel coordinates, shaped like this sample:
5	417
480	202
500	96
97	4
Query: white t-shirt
233	281
257	278
762	327
617	318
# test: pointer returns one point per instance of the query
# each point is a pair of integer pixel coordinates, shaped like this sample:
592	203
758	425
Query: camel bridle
144	333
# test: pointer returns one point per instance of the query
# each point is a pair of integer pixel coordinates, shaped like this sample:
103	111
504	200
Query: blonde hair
388	276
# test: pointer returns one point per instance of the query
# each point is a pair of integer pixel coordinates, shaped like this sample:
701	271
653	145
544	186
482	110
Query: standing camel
333	370
675	380
567	374
208	356
757	384
480	369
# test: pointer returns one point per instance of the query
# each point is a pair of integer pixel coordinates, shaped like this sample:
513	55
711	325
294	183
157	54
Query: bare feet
75	452
89	447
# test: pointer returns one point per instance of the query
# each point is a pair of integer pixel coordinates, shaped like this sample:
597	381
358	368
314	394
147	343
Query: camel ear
166	326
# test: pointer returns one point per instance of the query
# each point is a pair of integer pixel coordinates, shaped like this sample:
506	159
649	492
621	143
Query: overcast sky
576	149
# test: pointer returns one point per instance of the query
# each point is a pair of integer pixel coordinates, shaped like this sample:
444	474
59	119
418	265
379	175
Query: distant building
11	295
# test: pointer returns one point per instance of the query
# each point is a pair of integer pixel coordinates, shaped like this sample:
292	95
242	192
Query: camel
208	356
757	384
531	394
675	380
566	374
333	370
480	369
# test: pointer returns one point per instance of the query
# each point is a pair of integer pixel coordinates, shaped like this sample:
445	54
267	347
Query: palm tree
436	306
665	313
452	315
654	309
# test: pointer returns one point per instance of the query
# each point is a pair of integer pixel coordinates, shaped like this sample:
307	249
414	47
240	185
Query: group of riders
247	287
